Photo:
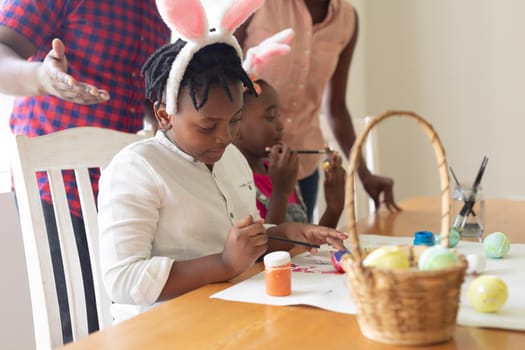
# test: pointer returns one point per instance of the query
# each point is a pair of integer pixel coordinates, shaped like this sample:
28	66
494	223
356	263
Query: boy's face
205	133
261	126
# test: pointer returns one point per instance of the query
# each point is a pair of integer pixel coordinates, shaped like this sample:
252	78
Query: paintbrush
308	151
313	151
458	185
306	244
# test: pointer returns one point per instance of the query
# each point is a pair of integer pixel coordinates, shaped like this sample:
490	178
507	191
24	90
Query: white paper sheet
315	283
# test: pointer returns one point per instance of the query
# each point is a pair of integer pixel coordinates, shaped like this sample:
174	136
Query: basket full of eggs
404	296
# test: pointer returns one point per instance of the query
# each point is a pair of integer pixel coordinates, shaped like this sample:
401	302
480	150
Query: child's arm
283	168
245	243
314	234
334	190
129	203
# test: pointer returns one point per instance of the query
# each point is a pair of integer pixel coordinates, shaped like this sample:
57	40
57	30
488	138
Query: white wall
6	103
459	64
16	321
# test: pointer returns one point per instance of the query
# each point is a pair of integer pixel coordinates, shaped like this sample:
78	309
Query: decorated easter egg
336	259
388	257
453	238
496	245
436	258
476	263
487	294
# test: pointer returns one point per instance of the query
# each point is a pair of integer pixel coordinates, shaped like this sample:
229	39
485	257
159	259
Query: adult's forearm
341	124
17	76
345	135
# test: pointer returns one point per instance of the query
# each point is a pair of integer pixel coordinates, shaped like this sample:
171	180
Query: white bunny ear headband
258	56
188	19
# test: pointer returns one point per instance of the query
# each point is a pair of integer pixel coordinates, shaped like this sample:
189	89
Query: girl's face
204	133
261	126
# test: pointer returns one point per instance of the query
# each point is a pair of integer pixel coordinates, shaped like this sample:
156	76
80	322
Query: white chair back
364	205
79	149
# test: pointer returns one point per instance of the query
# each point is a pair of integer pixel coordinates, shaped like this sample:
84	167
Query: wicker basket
403	307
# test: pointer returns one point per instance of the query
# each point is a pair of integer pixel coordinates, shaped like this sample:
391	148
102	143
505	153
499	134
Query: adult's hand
54	80
381	190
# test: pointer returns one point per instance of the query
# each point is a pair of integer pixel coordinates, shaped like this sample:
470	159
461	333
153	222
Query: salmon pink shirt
301	76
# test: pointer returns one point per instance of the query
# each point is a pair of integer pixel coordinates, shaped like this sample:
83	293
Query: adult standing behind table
326	34
63	59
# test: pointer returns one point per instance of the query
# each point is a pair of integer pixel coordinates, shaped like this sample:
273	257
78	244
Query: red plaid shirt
107	42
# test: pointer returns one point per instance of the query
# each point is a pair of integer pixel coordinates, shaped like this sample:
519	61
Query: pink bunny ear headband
258	56
188	19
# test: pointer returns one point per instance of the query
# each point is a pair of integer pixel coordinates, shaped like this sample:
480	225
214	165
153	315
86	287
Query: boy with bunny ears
177	211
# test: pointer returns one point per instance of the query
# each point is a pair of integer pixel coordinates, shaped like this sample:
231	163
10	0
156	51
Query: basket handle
354	163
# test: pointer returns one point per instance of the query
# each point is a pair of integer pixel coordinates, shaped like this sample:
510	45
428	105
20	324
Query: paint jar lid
424	237
277	258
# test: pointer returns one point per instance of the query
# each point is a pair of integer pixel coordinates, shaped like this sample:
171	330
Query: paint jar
278	274
424	237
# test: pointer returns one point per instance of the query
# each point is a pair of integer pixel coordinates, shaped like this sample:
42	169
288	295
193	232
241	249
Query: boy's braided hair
217	63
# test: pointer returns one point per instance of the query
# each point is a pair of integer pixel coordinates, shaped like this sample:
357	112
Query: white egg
476	263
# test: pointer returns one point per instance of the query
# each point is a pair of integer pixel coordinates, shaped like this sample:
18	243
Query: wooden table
423	213
194	321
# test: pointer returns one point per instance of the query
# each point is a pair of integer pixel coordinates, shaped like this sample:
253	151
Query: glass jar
468	212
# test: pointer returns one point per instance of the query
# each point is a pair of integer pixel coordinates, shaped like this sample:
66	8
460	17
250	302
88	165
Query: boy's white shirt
158	205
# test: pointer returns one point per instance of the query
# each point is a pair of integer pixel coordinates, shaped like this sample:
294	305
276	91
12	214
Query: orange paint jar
278	274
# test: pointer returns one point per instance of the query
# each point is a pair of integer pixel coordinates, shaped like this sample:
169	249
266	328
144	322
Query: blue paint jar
424	237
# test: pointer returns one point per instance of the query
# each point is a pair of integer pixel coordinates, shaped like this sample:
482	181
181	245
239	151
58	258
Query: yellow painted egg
387	257
487	293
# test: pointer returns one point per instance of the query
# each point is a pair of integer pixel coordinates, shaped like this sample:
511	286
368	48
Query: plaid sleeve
38	20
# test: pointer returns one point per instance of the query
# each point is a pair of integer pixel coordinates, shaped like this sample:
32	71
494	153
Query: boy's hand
314	234
246	242
55	81
283	169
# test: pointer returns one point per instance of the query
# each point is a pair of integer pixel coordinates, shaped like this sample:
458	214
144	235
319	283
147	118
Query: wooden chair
79	149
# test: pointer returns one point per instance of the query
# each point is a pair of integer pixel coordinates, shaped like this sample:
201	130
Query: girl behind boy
275	172
177	211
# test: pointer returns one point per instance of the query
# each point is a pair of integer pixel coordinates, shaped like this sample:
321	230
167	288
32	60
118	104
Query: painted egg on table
387	257
476	263
336	260
487	294
437	258
453	238
496	245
